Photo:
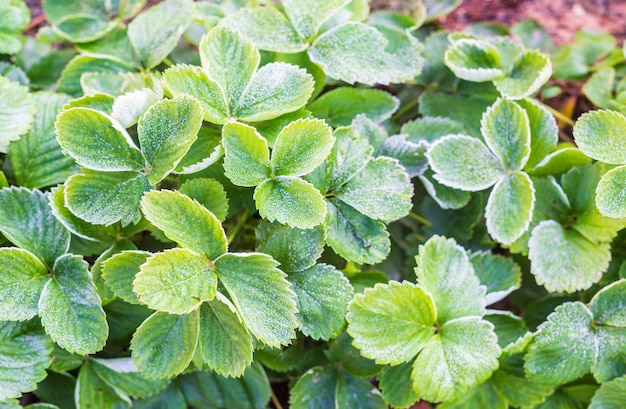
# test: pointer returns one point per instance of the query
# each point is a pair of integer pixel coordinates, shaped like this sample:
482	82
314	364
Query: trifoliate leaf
307	15
26	221
464	162
355	236
294	249
17	109
185	221
261	295
355	52
395	385
225	344
301	146
290	200
164	344
444	270
119	272
204	152
381	190
462	355
474	60
105	197
128	108
96	141
25	354
22	277
156	31
70	309
341	105
610	193
209	193
247	157
499	274
599	134
122	374
609	395
531	70
573	263
322	296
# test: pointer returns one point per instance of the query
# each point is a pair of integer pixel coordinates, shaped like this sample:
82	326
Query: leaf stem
275	400
406	108
557	113
420	219
242	220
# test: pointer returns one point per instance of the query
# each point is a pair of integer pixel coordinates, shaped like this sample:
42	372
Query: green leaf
119	272
204	152
573	263
501	275
22	277
562	159
17	110
225	344
105	197
301	146
25	354
484	395
70	309
512	384
375	134
290	200
122	374
261	295
247	157
26	221
599	134
444	270
409	154
209	193
430	128
609	395
572	396
166	132
506	129
405	309
474	60
266	28
175	281
156	31
322	297
164	344
355	236
531	70
464	162
510	207
446	197
93	391
605	305
307	15
341	105
611	197
96	141
69	82
115	46
611	355
129	107
355	52
294	249
37	157
381	190
395	384
185	221
544	132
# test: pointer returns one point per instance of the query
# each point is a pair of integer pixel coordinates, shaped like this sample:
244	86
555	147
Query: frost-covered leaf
600	135
17	110
209	193
156	31
70	309
464	162
381	190
355	52
301	146
610	395
446	197
322	297
531	70
474	60
204	152
185	221
96	141
611	357
610	198
247	157
295	249
115	46
375	134
105	197
128	108
164	344
15	18
119	272
430	128
606	305
501	275
290	200
121	373
22	277
563	158
26	221
69	82
261	295
573	263
544	133
308	15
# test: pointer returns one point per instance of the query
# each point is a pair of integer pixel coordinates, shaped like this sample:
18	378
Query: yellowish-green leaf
17	110
120	270
247	157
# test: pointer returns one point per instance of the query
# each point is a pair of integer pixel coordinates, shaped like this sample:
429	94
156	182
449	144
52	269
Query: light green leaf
294	249
308	15
381	190
474	60
24	356
69	82
225	344
70	309
464	162
115	46
467	110
395	384
96	141
99	102
266	28
544	132
185	221
444	270
409	154
355	236
26	221
322	297
605	305
573	263
510	207
122	374
175	281
531	70
611	358
37	157
375	134
611	193
562	159
355	52
22	277
501	275
17	110
120	270
156	31
261	295
204	152
128	108
406	310
164	344
600	135
301	146
509	328
463	355
506	129
430	128
610	395
209	193
105	197
446	197
271	128
93	391
247	157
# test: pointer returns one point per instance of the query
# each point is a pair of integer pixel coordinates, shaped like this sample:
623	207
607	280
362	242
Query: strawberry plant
245	204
